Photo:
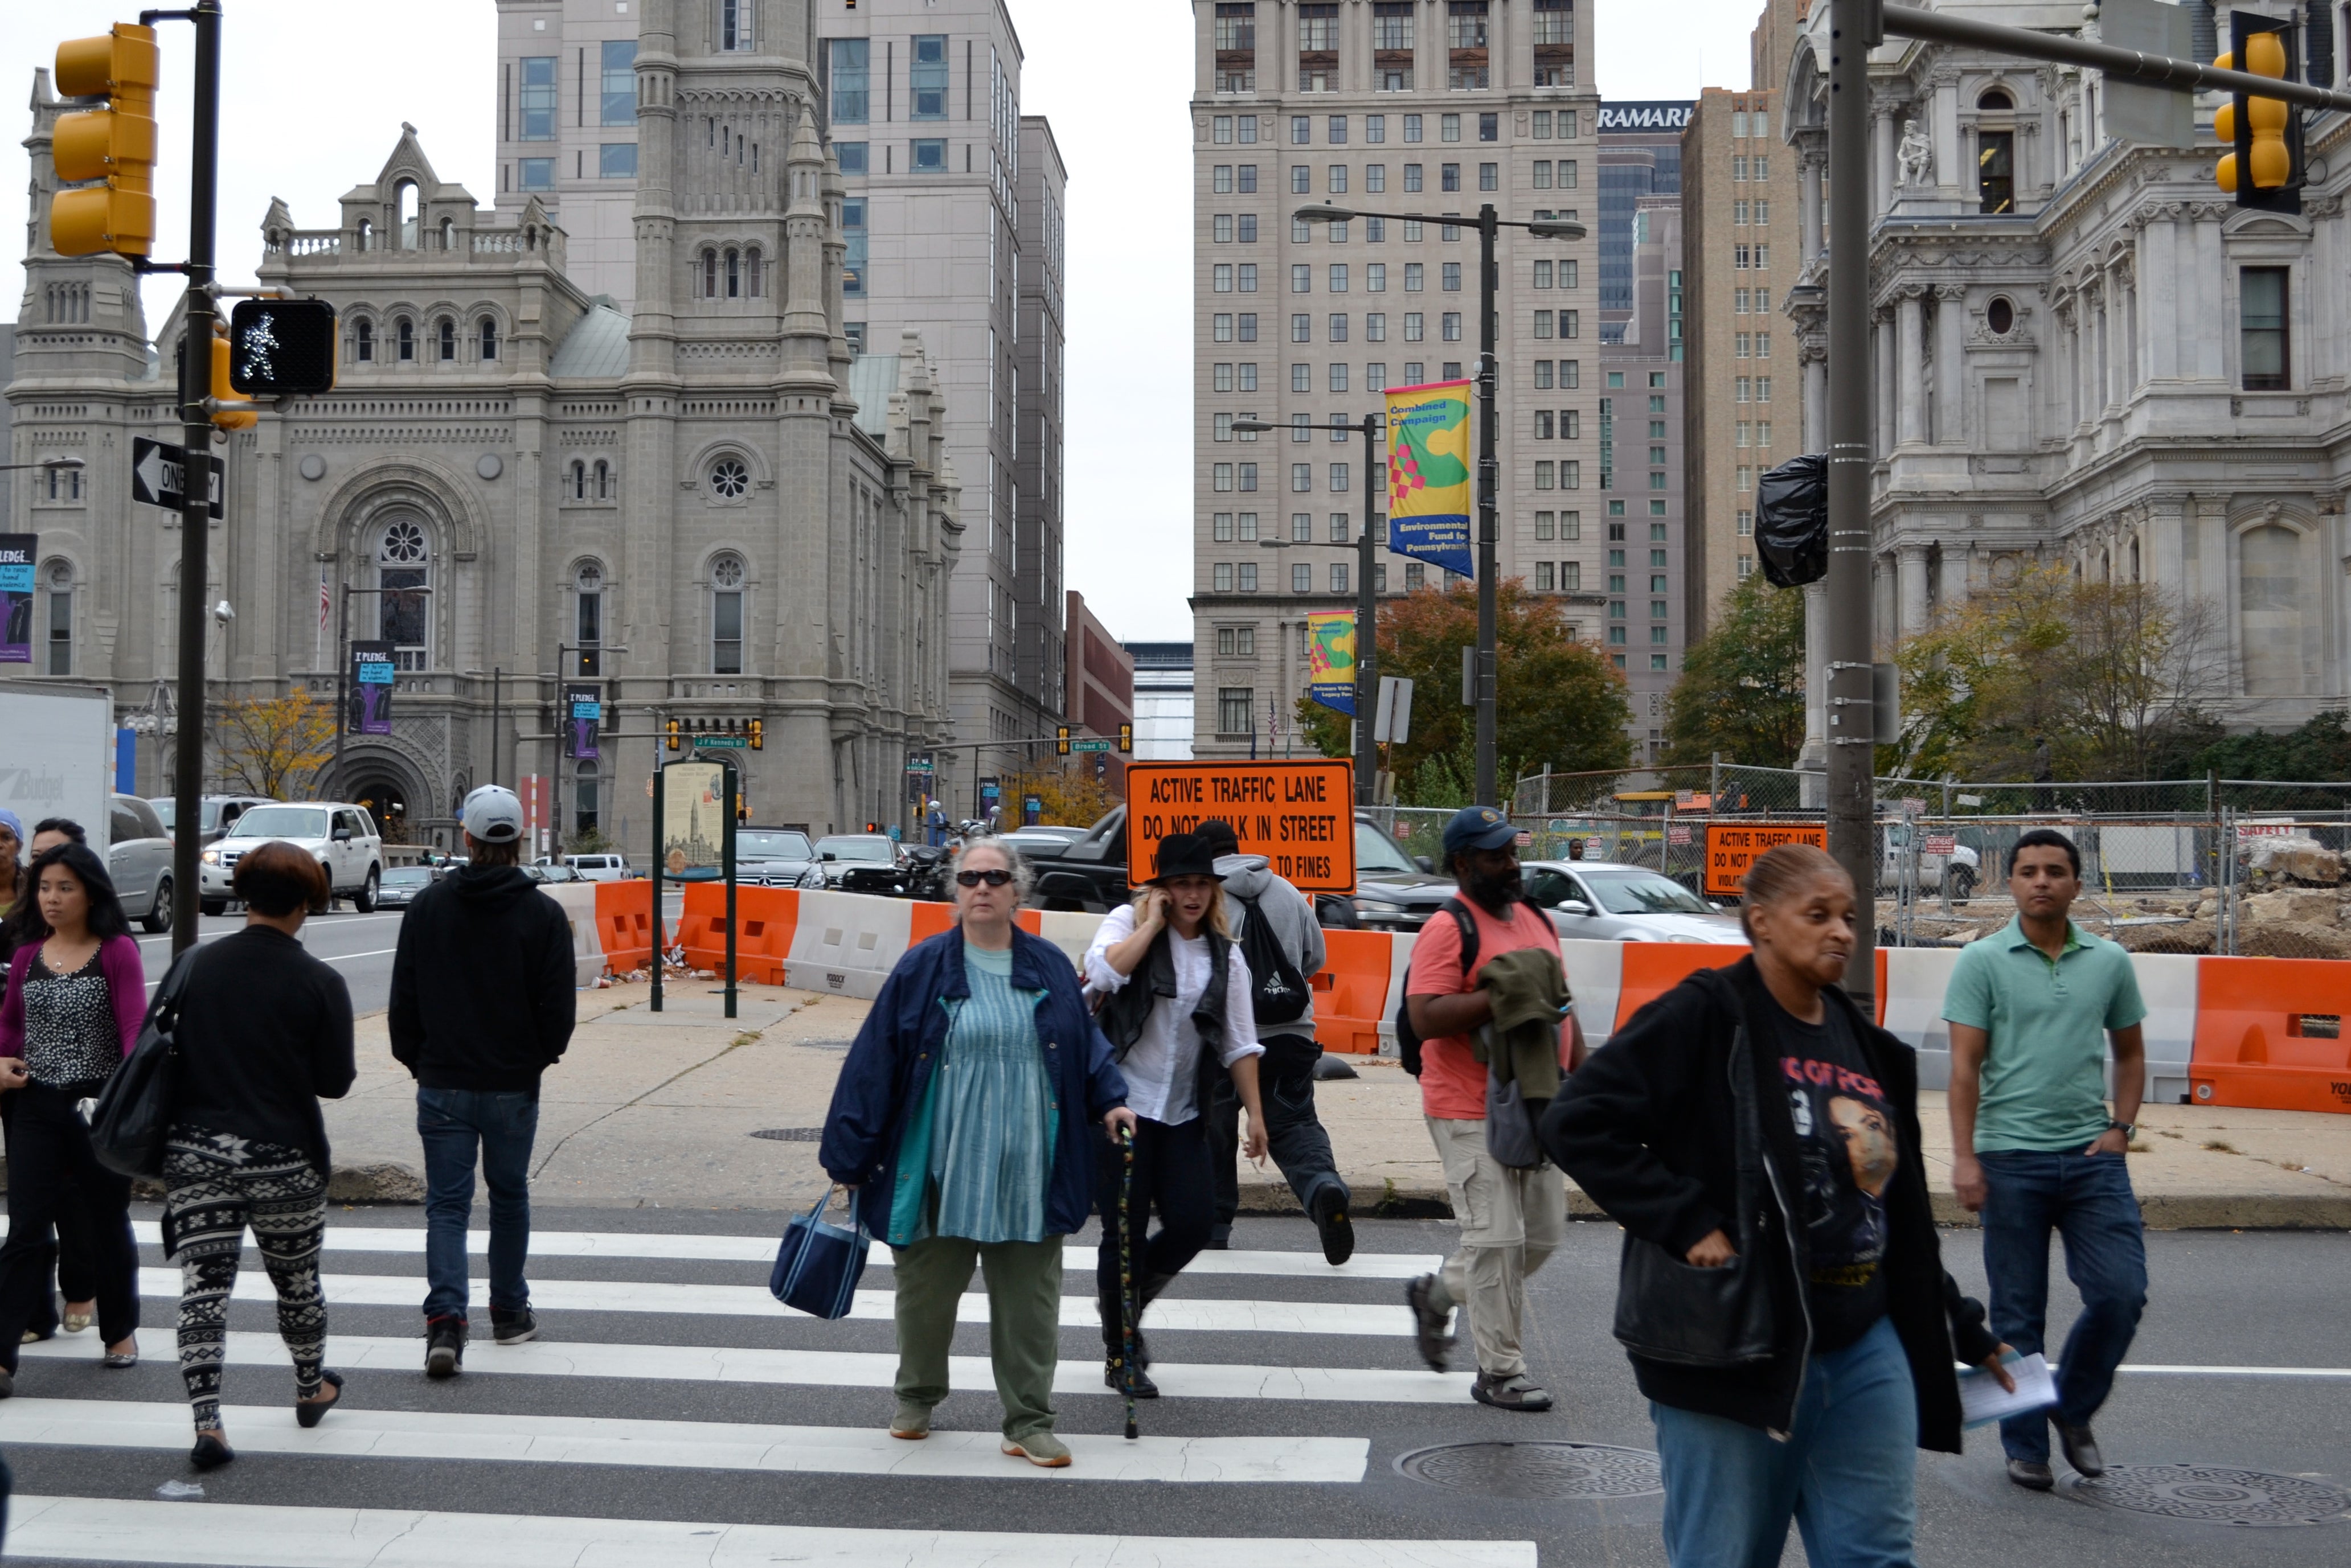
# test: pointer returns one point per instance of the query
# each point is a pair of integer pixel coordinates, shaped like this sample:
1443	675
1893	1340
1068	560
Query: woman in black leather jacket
1783	1299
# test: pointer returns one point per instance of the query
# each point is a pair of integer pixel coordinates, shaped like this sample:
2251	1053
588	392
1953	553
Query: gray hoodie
1289	913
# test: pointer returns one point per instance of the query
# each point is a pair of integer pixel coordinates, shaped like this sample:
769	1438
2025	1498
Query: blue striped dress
988	1118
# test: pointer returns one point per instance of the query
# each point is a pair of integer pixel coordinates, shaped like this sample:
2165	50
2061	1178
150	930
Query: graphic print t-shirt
1844	1130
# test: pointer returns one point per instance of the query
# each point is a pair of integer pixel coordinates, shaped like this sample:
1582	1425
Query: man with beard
1511	1219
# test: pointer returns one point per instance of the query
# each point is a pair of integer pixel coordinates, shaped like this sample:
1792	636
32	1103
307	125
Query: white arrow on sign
157	475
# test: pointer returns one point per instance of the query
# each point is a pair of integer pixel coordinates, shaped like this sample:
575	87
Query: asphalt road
1274	1449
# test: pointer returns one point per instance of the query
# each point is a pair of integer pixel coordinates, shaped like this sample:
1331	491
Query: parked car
1610	901
611	867
547	871
1037	843
402	883
138	859
776	857
342	836
1395	890
220	813
862	863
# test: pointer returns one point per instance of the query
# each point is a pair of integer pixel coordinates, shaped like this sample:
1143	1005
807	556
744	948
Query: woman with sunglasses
1177	1008
962	1125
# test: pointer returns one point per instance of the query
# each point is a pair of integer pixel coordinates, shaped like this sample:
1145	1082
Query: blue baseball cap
1478	827
9	820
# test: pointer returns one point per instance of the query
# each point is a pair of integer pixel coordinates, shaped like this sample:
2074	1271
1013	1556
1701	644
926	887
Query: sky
298	121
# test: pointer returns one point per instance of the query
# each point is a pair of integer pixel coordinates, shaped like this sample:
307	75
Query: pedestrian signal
115	145
281	348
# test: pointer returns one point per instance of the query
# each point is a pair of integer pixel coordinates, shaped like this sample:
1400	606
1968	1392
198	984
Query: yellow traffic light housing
2263	168
1126	737
115	144
1061	739
675	743
227	419
758	738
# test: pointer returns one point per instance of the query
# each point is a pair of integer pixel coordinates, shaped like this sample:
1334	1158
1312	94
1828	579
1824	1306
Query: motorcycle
926	873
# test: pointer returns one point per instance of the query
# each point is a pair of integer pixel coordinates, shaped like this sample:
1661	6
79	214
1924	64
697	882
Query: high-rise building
953	230
1640	155
1740	202
1640	412
1163	701
1395	106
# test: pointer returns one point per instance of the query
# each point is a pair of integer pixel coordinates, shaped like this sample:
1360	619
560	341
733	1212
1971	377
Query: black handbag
131	1118
1672	1311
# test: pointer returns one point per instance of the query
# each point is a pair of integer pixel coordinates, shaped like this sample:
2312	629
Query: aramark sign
1665	115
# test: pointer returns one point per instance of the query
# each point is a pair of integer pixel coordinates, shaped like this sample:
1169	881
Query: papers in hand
1983	1401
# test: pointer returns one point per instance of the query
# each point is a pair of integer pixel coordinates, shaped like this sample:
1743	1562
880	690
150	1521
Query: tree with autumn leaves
274	746
1558	700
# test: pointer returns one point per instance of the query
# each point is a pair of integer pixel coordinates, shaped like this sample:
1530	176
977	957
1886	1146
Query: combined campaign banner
1331	659
1429	474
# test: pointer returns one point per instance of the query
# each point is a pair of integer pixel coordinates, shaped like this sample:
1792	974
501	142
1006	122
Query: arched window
2270	609
604	480
363	341
57	588
448	234
366	235
403	578
726	576
1996	102
2134	560
403	199
448	335
588	617
752	280
407	333
710	275
489	338
734	276
578	479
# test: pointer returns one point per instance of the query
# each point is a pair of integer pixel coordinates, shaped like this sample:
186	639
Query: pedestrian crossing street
651	1393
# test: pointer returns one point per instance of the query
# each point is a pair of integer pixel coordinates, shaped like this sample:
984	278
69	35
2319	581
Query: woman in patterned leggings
264	1031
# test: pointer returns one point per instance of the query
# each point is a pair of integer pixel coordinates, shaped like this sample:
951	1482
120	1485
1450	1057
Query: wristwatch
2128	1129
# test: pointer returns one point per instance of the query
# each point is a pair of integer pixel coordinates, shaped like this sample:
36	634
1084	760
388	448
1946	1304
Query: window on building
489	338
1247	580
405	334
852	81
59	588
533	174
363	341
853	234
1236	707
926	77
1996	170
537	99
618	103
1452	327
727	575
1490	176
1448	176
2262	332
616	161
1466	66
1302	577
448	334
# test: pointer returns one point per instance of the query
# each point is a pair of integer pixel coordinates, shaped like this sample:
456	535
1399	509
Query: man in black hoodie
482	1003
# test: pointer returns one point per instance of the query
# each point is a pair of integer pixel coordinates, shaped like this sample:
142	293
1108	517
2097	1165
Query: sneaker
1040	1449
2080	1446
2031	1474
1515	1392
1429	1322
1138	1382
444	1347
913	1421
1332	1224
513	1327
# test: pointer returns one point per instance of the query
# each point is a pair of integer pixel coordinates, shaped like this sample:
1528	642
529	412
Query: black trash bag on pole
1791	521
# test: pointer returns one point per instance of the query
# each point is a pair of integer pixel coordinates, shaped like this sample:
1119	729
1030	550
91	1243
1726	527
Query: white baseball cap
492	815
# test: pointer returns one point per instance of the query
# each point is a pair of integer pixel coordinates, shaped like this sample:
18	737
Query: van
600	867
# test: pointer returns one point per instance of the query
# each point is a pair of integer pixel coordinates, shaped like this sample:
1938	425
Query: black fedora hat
1183	855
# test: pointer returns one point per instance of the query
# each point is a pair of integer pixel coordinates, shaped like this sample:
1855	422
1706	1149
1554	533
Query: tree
1070	796
275	746
1557	700
1741	690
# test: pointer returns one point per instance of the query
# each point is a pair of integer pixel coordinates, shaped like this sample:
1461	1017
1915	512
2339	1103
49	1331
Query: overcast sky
315	91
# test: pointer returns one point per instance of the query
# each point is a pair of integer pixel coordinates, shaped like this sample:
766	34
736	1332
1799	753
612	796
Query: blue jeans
2087	1200
1844	1474
454	1123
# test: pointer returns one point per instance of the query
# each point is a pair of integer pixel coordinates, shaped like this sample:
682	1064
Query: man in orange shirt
1511	1219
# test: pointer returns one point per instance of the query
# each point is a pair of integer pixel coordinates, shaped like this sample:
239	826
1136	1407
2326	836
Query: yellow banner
1331	659
1429	474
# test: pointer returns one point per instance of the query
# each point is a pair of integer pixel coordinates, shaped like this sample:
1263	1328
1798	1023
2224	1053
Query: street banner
1732	847
1331	659
1032	810
372	672
1298	814
583	716
693	821
1429	474
18	555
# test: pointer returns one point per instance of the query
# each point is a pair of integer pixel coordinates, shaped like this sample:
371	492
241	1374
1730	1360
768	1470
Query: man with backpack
1281	940
1512	1215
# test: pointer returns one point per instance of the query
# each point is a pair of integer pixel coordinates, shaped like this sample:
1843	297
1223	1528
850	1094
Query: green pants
1024	1322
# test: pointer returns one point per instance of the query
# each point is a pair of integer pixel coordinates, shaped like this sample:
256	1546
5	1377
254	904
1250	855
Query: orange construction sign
1732	847
1298	814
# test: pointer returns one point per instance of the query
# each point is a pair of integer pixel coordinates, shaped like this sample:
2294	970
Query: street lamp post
1490	225
1367	666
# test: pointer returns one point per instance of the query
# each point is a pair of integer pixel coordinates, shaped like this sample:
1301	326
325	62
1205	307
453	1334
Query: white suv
340	836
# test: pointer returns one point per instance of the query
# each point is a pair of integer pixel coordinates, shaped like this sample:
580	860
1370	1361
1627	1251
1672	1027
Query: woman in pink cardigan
76	995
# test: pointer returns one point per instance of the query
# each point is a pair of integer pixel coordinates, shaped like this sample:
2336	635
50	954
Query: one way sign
155	469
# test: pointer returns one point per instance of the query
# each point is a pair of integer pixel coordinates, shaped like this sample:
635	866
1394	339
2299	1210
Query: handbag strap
816	1214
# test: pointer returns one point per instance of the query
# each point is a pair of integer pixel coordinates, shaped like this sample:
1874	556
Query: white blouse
1163	1067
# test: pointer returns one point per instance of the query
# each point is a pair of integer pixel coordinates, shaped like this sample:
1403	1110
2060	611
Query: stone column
1816	398
1953	589
1910	372
1943	135
1807	205
1884	136
1816	660
1886	386
1910	565
1950	389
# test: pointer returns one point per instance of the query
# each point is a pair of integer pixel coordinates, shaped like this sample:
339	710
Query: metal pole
1367	630
1851	640
196	479
661	937
726	856
497	685
342	676
1489	526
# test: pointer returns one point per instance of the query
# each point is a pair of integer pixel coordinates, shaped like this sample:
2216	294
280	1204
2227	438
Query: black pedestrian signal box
281	348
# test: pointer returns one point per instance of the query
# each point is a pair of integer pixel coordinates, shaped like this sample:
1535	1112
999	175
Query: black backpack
1408	1038
1278	993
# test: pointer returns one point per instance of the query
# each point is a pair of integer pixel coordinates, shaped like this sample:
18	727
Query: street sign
155	469
1526	839
1392	719
1732	847
723	743
1298	814
919	763
1090	746
1940	844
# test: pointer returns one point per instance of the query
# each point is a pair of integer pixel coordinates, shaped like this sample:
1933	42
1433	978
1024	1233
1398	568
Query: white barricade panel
1399	965
2167	983
578	900
847	943
1916	979
1595	974
1073	931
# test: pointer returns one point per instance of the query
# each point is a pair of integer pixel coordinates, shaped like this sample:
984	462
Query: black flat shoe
310	1412
1121	1380
209	1453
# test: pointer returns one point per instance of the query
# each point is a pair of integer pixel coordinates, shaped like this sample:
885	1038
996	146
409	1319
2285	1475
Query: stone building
709	505
2085	353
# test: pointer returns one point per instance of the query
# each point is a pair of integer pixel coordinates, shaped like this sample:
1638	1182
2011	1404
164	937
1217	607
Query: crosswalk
667	1382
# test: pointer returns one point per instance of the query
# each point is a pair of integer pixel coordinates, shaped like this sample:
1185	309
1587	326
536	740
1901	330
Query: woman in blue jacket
962	1121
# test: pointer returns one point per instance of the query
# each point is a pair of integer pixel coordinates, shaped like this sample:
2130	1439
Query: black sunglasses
993	877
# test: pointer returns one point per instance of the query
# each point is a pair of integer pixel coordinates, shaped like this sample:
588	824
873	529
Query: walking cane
1126	1308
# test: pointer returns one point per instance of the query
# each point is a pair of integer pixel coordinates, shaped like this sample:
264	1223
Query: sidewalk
657	1111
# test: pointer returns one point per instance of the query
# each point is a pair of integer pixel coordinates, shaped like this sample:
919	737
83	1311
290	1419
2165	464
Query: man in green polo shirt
2034	1149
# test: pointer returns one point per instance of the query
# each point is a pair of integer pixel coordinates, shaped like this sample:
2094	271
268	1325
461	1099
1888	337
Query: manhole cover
2209	1494
791	1134
1536	1470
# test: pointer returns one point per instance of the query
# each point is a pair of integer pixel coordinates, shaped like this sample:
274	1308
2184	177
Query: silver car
776	857
138	859
1606	901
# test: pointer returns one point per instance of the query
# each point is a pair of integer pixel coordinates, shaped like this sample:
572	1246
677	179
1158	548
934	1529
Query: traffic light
757	738
115	144
1126	737
227	419
281	348
2265	169
1061	739
674	742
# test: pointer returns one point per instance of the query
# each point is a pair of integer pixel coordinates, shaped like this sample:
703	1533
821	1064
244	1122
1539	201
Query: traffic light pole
1367	625
195	506
1489	426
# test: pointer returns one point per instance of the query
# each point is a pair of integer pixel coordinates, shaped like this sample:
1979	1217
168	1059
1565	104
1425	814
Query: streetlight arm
1542	228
